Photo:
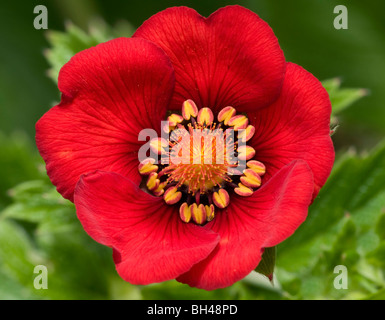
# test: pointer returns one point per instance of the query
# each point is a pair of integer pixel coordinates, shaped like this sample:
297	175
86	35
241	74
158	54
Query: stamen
160	189
198	213
185	212
247	134
257	167
189	109
158	144
225	115
205	117
174	119
221	198
246	152
172	195
238	122
153	181
210	212
251	179
147	166
203	157
243	190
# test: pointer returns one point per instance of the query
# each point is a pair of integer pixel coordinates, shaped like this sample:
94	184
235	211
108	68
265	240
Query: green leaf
377	256
343	250
380	295
341	98
18	258
353	183
380	227
267	264
18	162
40	227
11	289
65	45
331	85
340	229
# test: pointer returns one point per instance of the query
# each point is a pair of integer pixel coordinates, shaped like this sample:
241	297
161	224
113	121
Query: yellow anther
158	145
166	128
234	171
210	212
251	179
160	189
172	195
257	167
243	191
147	166
246	152
226	114
198	213
152	181
246	134
205	116
174	119
185	212
189	109
221	198
238	122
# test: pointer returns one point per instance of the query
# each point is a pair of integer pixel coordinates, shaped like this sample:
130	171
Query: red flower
199	223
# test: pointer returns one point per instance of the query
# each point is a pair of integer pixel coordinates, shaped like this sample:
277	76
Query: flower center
202	161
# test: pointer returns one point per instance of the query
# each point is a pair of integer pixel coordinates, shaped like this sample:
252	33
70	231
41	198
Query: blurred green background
305	30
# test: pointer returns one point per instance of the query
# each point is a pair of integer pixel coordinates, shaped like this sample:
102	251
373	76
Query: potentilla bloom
238	150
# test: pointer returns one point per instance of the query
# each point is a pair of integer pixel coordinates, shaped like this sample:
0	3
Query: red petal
150	242
250	224
296	126
109	94
230	58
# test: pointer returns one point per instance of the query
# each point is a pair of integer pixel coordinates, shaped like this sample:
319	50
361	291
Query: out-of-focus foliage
341	98
344	227
17	163
65	44
346	222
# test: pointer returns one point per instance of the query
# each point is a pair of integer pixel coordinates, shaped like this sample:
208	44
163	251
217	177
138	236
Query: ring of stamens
201	162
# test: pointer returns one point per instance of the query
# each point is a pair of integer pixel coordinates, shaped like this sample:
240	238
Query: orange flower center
201	161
